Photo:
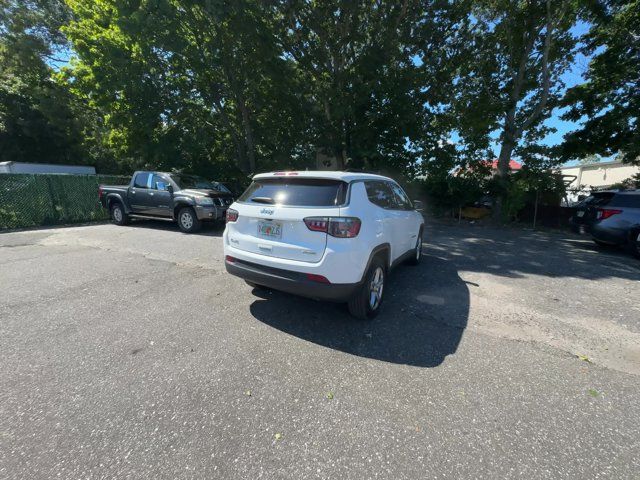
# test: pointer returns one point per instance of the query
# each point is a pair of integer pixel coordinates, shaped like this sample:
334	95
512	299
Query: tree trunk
336	151
242	161
506	149
248	137
512	132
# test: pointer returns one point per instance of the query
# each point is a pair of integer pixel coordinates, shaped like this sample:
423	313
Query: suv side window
380	194
141	180
159	183
401	197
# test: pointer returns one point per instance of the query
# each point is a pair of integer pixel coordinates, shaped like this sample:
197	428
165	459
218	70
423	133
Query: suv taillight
604	213
340	227
232	215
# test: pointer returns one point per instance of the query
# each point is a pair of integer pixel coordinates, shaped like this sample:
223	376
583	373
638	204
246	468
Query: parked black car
186	199
585	210
611	218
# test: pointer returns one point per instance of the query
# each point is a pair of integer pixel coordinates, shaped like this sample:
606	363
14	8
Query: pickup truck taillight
99	193
232	215
340	227
604	213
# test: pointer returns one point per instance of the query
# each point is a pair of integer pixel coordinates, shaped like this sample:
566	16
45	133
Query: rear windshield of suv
597	199
630	200
296	192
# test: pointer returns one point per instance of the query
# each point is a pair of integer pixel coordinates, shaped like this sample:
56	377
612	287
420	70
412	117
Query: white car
325	235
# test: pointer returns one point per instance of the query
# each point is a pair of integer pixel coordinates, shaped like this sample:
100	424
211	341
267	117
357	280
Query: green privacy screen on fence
34	200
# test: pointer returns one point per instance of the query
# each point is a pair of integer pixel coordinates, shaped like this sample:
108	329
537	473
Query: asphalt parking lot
128	352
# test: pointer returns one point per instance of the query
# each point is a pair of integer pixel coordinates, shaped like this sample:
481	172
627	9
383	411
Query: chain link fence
33	200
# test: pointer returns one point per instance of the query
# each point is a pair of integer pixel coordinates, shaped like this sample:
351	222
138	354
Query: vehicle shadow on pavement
515	253
427	307
421	322
209	229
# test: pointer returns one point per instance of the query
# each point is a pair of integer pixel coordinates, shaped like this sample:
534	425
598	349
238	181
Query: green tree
38	121
510	82
190	83
368	70
261	85
590	158
610	98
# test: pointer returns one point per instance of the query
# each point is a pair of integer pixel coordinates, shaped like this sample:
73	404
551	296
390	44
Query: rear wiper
268	200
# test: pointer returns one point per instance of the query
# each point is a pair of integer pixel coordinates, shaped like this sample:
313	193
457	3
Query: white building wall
596	176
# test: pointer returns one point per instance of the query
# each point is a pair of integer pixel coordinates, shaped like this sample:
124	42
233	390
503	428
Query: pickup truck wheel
117	214
366	303
188	221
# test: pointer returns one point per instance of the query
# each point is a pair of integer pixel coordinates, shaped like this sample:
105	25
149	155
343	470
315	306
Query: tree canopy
230	88
609	101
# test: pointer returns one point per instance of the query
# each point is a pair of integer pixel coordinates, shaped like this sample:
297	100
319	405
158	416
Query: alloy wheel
186	220
117	214
376	286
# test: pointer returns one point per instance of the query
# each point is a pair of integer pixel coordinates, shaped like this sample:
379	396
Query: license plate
580	213
270	229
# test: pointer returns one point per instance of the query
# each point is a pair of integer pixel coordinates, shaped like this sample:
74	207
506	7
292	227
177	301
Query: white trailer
23	167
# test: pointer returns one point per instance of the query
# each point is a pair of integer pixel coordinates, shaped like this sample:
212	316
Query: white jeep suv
325	235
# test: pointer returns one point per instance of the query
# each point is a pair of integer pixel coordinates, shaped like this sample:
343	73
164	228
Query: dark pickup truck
186	199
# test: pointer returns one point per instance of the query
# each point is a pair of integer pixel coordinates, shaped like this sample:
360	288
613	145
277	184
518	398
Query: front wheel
188	221
366	303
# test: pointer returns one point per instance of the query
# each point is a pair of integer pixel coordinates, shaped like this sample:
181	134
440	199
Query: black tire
363	305
118	215
188	220
417	251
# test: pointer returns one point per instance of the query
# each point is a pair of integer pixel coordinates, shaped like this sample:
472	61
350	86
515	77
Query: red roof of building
513	165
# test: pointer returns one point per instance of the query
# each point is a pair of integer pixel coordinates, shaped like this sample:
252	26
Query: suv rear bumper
606	234
291	282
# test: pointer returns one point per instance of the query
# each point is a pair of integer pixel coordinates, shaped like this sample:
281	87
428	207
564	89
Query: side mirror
170	188
418	206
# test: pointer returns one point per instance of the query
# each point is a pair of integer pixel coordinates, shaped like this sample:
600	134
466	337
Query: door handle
151	194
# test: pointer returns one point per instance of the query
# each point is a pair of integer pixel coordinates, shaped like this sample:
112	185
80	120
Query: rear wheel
188	221
118	216
366	303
